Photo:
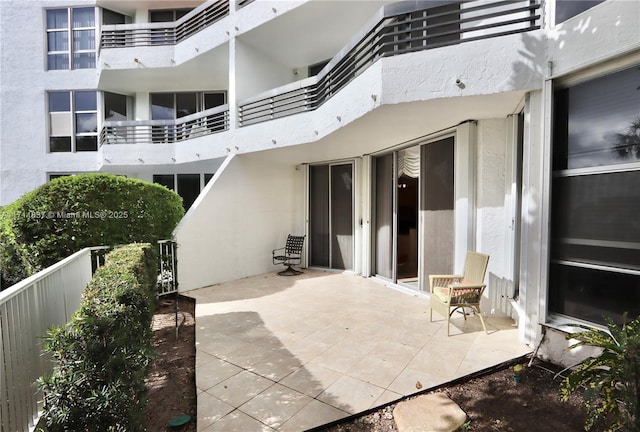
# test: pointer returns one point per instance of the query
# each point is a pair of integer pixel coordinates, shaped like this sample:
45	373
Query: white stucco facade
491	92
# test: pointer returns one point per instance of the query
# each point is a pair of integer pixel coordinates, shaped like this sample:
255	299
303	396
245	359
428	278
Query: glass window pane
207	177
57	19
115	107
598	122
85	101
186	103
166	180
212	100
319	242
86	143
59	102
58	41
566	9
188	188
162	106
161	16
591	294
86	123
110	17
60	144
57	61
84	40
341	216
84	60
84	17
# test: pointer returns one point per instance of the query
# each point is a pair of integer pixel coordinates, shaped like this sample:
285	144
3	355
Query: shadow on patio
289	354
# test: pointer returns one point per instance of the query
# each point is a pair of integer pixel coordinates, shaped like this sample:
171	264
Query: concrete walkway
292	353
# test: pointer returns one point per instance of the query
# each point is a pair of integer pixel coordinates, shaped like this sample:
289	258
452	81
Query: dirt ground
494	402
172	383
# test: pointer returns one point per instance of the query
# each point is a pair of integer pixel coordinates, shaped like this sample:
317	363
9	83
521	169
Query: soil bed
497	403
171	383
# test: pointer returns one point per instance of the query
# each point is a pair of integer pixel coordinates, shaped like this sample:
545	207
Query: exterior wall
245	212
605	31
255	73
23	105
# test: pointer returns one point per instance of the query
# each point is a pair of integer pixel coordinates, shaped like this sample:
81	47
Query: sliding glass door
413	205
331	216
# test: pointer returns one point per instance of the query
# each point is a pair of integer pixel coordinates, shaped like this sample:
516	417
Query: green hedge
104	353
73	212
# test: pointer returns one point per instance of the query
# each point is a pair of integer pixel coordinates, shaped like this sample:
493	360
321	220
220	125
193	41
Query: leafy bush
73	212
611	380
104	353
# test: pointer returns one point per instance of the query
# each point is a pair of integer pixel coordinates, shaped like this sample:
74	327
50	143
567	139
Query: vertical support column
232	91
465	192
535	214
365	251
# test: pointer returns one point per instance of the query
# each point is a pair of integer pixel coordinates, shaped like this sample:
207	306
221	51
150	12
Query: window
73	121
167	15
595	228
115	107
71	38
315	69
566	9
110	17
173	106
188	187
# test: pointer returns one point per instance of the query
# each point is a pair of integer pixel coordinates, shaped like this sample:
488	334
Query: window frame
588	263
70	29
73	119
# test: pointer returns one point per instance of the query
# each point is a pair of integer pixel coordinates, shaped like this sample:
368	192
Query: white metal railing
27	310
202	123
398	28
152	34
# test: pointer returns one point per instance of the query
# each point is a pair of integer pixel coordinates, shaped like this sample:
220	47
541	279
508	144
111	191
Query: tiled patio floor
291	353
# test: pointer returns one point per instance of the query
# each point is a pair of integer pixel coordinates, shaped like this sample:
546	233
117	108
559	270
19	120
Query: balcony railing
401	28
202	123
153	34
27	310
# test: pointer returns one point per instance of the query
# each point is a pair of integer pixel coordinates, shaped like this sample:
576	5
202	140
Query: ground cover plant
73	212
104	353
611	380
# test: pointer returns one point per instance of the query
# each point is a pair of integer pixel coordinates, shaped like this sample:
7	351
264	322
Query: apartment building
394	135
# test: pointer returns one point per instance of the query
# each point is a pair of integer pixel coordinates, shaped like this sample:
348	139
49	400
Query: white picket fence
27	310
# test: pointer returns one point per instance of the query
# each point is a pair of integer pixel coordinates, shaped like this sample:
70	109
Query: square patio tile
275	405
210	409
351	394
237	421
214	372
240	388
376	371
311	379
314	414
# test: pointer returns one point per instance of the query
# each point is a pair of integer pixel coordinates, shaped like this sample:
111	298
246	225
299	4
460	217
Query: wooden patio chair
452	292
289	255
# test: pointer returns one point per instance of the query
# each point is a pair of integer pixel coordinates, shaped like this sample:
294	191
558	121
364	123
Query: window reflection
598	122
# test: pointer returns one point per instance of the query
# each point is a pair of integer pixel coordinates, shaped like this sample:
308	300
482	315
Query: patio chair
452	292
289	255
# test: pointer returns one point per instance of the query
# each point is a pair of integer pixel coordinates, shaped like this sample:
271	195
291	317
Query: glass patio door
413	212
331	216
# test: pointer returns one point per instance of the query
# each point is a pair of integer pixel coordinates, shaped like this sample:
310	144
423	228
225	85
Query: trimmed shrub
73	212
104	353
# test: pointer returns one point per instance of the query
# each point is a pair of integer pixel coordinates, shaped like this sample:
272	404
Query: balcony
157	34
398	29
196	125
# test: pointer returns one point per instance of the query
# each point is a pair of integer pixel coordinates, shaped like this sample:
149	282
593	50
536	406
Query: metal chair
289	255
451	292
